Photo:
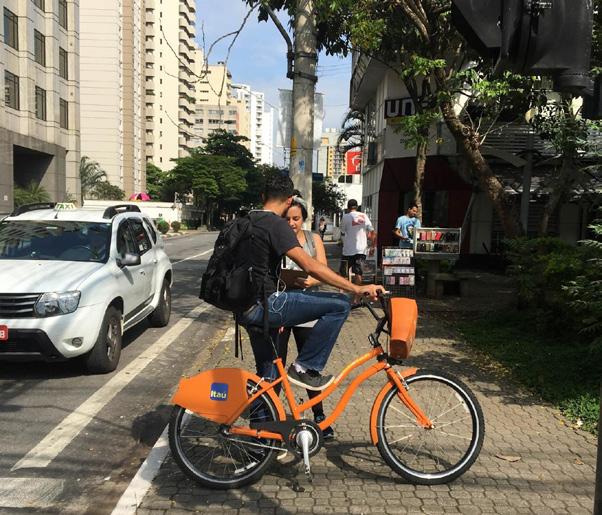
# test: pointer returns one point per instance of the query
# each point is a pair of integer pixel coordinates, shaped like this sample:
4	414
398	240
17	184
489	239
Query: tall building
215	106
259	125
39	112
331	162
113	89
170	80
267	137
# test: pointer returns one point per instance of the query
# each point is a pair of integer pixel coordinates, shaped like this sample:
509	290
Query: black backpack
228	282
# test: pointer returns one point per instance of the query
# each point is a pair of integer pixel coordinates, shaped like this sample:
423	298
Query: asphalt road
97	429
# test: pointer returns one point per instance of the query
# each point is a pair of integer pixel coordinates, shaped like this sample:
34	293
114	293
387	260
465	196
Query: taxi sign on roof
62	206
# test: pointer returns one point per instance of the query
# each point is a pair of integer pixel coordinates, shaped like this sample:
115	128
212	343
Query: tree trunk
560	189
421	153
468	141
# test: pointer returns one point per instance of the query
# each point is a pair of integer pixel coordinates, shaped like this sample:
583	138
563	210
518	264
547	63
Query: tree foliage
91	174
30	194
104	190
327	197
155	182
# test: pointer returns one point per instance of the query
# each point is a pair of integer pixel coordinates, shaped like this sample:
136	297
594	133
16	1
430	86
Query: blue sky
258	57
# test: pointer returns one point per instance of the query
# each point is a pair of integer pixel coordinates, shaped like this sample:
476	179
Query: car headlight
51	304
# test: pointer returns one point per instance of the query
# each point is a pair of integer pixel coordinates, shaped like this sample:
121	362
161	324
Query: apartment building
330	162
169	80
260	125
216	108
112	51
39	112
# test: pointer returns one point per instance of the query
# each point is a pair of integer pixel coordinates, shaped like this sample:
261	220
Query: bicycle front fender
220	394
379	399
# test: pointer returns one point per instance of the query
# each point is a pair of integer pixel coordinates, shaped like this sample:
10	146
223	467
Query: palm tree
352	131
91	174
30	194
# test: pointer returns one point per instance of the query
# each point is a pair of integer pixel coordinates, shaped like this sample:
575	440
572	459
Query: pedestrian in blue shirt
405	225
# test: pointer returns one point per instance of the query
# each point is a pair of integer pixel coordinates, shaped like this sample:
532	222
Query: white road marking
29	492
192	257
142	481
64	433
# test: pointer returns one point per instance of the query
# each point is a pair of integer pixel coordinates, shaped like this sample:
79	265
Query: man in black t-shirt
273	239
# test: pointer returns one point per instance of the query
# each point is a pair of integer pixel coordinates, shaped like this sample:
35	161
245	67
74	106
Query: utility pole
304	89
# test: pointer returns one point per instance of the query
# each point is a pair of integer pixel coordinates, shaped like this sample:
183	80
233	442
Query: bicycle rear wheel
442	453
209	455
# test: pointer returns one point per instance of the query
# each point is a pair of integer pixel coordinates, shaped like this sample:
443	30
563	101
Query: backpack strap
237	340
311	244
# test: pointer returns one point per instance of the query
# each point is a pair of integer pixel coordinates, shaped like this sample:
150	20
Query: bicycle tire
254	457
435	470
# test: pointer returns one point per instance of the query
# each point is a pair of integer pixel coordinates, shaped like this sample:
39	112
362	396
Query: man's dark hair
278	187
352	204
412	205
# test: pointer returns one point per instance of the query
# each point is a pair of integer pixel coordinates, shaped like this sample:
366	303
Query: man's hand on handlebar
371	291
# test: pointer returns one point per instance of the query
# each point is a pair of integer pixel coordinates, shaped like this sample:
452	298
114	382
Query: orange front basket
403	319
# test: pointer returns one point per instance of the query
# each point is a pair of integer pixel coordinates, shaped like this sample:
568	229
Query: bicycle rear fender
219	394
379	399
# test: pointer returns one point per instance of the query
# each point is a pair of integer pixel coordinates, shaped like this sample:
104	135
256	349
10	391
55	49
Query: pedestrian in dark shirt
273	239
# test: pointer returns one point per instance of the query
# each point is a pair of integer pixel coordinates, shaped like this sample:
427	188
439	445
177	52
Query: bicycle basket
403	316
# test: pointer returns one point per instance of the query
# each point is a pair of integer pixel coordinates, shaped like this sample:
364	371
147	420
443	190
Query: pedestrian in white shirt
358	235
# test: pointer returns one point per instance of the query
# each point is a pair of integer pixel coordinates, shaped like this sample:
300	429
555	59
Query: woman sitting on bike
312	244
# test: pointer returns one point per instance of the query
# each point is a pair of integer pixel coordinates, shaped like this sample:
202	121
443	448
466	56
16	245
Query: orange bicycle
228	424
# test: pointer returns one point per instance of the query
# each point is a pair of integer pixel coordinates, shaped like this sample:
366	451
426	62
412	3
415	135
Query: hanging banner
354	162
284	133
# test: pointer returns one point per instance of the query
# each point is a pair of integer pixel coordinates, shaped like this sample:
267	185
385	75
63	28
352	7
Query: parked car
73	280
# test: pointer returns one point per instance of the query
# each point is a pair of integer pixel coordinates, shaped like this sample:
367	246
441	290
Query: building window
39	46
64	106
11	90
63	63
11	29
40	103
40	4
63	19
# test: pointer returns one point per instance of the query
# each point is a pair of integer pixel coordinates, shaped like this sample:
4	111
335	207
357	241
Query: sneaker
310	380
328	432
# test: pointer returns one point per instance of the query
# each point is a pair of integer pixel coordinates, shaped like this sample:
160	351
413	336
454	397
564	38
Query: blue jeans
291	308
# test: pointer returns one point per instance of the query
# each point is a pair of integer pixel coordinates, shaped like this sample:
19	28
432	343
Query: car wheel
160	317
105	354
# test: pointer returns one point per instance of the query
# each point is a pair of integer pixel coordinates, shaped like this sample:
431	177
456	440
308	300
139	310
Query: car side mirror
128	260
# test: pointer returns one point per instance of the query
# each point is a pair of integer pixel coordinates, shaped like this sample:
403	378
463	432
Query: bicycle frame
296	410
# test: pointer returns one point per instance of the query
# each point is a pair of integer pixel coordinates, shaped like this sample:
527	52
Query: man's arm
326	275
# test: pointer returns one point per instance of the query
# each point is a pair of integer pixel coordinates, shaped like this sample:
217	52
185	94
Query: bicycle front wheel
445	451
209	455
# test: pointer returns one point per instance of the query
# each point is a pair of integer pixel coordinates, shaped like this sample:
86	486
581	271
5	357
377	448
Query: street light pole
304	89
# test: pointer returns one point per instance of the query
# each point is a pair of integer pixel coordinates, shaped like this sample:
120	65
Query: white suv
73	280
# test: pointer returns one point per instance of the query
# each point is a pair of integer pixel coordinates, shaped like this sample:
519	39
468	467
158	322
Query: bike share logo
219	392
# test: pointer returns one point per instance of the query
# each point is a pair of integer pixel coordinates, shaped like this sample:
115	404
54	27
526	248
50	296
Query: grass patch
561	370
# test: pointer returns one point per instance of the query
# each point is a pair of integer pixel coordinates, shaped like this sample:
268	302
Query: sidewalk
554	472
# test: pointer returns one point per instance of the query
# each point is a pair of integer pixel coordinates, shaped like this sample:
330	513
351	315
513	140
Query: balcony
149	83
186	117
150	138
150	29
149	44
183	152
182	141
149	56
149	112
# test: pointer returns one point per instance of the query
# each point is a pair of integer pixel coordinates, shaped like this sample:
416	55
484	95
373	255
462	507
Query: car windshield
55	240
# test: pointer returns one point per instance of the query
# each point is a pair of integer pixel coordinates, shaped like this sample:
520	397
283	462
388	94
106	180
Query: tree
91	174
215	181
30	194
155	182
104	190
568	134
224	143
327	197
418	37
